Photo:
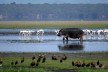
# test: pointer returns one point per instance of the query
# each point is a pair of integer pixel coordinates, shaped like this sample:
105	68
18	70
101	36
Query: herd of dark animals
32	64
54	57
39	59
42	58
90	64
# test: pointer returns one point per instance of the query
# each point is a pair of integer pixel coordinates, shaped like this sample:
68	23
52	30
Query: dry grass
52	24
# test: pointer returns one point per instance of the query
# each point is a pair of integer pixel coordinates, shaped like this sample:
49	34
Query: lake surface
11	40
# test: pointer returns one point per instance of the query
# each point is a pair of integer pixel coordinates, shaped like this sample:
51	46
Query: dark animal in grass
54	57
61	60
22	60
37	64
44	59
1	62
64	58
32	64
98	62
88	65
16	62
78	64
101	66
39	58
33	57
83	64
73	64
93	64
12	63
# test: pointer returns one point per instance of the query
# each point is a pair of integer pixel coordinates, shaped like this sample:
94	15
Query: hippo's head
59	33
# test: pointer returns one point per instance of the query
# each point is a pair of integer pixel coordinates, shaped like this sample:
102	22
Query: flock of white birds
88	34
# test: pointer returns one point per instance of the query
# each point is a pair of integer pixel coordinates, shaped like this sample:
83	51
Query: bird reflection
74	46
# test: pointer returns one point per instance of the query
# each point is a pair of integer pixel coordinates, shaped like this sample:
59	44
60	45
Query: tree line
39	12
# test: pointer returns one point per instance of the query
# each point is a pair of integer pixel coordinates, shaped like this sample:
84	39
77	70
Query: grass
50	65
52	24
21	69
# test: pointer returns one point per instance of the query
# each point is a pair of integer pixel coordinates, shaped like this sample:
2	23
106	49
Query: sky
54	1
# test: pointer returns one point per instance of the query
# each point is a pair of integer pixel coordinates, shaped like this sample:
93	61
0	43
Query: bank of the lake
52	24
51	65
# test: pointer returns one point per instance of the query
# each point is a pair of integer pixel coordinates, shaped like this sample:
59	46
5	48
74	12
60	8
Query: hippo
75	33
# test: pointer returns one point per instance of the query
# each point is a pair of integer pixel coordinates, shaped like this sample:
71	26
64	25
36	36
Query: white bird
40	34
26	34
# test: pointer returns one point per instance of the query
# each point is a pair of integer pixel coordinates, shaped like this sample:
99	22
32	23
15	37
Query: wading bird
33	58
44	59
1	62
16	62
37	64
32	64
12	62
22	60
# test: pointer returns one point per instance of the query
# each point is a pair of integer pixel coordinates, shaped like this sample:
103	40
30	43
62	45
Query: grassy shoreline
29	54
53	66
52	24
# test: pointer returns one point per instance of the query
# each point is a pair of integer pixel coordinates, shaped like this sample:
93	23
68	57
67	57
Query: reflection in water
73	46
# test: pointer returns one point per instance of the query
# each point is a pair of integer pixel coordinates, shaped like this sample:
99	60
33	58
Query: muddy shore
70	55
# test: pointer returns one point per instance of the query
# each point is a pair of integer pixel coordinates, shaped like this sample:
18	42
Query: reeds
52	24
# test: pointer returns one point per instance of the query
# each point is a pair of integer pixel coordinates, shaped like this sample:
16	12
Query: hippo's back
72	31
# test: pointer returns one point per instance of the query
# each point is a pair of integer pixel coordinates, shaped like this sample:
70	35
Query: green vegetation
52	24
52	65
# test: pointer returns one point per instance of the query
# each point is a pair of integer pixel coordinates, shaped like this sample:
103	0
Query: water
11	41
